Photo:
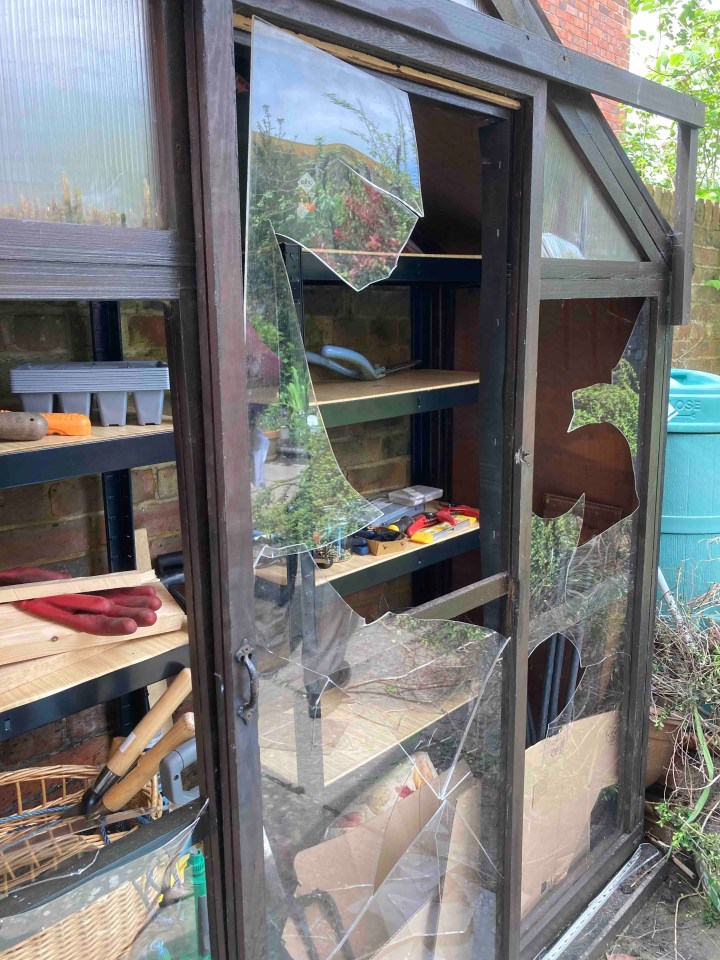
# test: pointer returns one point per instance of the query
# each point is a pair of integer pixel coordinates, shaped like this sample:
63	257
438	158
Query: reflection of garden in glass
340	178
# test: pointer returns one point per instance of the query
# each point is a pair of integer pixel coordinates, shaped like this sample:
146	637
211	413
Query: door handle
244	657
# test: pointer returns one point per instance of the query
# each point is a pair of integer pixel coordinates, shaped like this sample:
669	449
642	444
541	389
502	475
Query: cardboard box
564	776
384	877
382	548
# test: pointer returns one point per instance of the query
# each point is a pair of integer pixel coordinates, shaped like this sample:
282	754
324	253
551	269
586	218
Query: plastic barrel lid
694	402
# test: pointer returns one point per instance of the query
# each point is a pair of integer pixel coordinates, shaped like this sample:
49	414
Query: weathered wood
467	30
461	601
602	270
602	288
56	588
395	69
408	381
526	237
683	225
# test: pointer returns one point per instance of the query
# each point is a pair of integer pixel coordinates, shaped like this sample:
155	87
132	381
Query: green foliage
687	58
617	403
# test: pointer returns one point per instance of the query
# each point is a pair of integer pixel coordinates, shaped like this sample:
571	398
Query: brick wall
600	28
697	345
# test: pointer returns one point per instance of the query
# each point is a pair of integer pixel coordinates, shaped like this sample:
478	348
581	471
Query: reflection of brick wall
61	524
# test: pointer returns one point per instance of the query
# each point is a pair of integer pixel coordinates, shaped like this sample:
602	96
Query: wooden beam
360	59
683	225
386	26
463	600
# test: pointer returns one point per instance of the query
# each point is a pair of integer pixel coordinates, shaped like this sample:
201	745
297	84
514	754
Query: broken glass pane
334	161
381	756
582	594
333	165
578	220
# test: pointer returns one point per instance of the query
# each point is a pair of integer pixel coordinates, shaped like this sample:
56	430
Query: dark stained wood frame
501	43
427	43
196	263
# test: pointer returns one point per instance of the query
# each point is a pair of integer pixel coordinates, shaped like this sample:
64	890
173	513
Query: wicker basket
33	841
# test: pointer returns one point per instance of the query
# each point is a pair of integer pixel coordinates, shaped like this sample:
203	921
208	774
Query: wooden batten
395	69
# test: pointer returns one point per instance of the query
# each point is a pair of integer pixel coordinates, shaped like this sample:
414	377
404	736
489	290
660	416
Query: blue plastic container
689	558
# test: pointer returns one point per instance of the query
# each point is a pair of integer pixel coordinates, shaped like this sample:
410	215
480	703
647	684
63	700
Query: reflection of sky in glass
299	89
75	101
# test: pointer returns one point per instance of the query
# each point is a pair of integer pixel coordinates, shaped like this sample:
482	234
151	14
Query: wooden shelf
398	394
104	450
104	674
353	730
357	573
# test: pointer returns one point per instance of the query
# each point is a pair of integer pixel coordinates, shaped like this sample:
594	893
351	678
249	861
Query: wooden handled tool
22	426
119	795
134	744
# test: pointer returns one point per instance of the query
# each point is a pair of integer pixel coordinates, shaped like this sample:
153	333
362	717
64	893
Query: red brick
87	723
80	496
94	752
158	517
50	543
143	484
28	334
169	544
167	482
21	505
29	747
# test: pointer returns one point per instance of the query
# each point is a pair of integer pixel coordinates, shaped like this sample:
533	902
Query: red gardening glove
110	613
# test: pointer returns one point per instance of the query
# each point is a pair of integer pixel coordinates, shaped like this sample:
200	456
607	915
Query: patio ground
655	934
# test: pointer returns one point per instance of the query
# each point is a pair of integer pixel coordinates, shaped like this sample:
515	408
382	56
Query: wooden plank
25	637
387	26
142	550
104	660
56	588
574	289
463	600
15	674
406	381
552	269
683	225
360	59
96	435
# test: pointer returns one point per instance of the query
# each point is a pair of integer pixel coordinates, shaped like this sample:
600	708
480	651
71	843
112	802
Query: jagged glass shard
381	754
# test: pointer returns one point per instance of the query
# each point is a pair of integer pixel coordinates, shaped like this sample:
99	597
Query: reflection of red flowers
403	792
310	206
353	819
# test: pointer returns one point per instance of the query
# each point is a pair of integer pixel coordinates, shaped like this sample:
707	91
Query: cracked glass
333	166
380	741
583	552
380	753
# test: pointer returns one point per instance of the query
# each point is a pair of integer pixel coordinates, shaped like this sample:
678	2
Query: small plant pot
274	438
661	745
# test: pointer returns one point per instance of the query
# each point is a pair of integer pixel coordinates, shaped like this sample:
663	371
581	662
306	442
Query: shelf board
359	573
399	394
105	449
453	268
109	673
353	731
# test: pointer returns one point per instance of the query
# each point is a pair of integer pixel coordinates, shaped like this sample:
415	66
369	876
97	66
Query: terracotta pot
661	743
273	437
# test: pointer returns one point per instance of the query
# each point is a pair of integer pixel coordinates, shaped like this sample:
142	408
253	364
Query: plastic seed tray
110	381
